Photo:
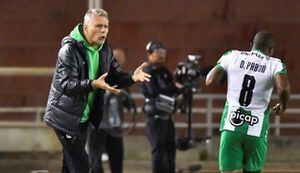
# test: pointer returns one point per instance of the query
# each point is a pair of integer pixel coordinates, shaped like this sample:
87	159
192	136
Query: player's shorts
240	151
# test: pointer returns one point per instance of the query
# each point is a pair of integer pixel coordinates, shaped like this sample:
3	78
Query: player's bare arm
214	77
283	91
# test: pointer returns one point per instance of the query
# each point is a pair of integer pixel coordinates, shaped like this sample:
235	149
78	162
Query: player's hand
278	109
140	75
101	84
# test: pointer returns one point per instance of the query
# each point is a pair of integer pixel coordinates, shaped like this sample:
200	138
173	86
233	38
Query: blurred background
31	32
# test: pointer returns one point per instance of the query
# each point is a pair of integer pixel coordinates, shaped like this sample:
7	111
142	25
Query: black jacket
161	83
71	85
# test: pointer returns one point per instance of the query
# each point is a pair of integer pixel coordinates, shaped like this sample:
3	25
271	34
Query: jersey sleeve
222	63
279	68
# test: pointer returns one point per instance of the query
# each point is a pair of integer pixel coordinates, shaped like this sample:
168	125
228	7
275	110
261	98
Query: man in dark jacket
85	69
160	128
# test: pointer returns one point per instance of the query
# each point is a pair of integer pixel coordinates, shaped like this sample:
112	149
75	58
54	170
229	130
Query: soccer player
244	126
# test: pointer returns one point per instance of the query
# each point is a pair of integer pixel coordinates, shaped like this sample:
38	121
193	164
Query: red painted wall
206	27
31	32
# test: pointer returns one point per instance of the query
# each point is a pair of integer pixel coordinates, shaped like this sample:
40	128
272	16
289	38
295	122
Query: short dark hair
153	45
263	40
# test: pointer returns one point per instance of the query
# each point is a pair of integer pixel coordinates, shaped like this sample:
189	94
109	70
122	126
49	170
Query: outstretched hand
140	75
101	84
278	109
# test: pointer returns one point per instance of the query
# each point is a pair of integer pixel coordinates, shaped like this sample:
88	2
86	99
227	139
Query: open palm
100	83
140	75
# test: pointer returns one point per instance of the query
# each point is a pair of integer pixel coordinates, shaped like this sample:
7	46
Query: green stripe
227	52
283	71
224	116
244	127
221	68
265	126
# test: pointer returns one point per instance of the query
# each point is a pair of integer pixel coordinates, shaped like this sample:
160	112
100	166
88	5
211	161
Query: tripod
185	143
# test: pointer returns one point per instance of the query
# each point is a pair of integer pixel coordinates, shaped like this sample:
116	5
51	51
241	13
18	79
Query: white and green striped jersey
250	80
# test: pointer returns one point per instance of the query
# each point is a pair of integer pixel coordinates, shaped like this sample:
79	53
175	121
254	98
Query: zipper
85	68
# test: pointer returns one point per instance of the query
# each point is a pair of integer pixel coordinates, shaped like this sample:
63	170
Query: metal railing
26	71
209	109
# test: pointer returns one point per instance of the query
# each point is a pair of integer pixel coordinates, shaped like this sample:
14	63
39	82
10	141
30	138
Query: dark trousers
101	141
75	158
161	134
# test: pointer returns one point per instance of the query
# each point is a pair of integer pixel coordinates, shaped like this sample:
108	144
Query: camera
189	72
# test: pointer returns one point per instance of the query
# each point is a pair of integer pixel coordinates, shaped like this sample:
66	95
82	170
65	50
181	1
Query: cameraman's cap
154	45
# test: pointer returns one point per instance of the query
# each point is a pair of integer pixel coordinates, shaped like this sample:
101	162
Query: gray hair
91	13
